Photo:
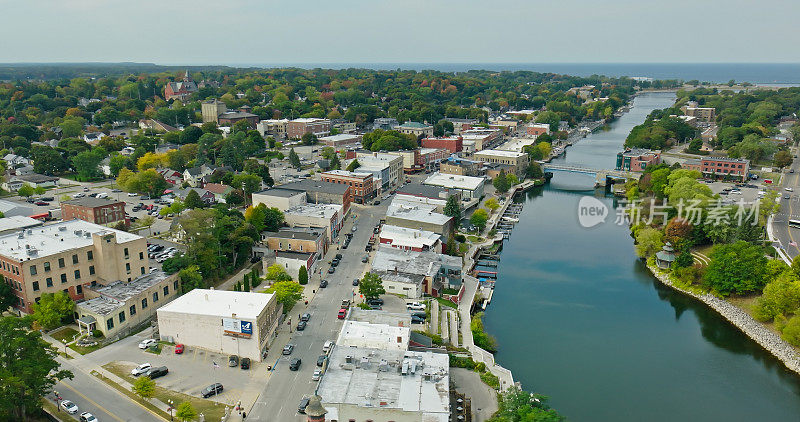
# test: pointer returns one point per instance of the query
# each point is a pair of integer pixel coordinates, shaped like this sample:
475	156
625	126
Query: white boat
511	219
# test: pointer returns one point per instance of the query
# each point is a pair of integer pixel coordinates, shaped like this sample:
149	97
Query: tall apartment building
362	187
298	127
68	256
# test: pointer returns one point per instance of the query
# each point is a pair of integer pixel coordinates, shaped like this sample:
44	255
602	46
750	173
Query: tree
185	412
335	163
234	199
25	190
191	278
782	159
500	182
287	293
28	369
52	309
193	200
781	296
353	165
309	138
479	218
294	159
246	284
7	296
736	268
492	204
648	242
517	405
39	190
248	183
453	209
512	179
534	171
144	387
86	164
371	286
302	276
277	273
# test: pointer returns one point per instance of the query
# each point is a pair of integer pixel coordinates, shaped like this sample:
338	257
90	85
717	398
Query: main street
284	390
790	210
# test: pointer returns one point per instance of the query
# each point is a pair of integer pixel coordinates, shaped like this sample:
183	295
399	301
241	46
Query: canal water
580	319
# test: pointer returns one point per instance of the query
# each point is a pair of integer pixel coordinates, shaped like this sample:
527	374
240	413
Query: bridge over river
601	175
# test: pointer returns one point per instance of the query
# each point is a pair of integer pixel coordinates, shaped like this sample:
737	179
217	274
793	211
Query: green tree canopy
479	218
371	286
736	268
144	387
185	412
287	293
52	309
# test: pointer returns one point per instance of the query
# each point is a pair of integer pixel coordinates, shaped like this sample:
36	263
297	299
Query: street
790	210
284	390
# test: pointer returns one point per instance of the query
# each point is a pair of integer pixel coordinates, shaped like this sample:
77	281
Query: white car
317	375
141	369
88	417
789	189
146	343
69	407
131	194
327	347
415	306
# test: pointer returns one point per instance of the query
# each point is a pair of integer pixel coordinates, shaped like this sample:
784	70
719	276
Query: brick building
296	128
453	144
637	159
93	210
362	187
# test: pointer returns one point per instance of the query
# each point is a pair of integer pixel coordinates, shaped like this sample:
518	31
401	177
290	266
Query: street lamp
170	408
63	340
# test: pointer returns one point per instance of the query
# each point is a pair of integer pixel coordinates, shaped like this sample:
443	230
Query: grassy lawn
212	410
475	239
445	302
66	333
51	408
85	350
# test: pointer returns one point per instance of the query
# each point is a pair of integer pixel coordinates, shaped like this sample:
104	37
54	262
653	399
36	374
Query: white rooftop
425	263
346	173
500	153
308	120
17	222
402	237
339	137
221	303
417	212
56	238
314	210
454	181
374	336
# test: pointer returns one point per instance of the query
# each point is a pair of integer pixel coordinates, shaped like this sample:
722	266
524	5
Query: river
580	319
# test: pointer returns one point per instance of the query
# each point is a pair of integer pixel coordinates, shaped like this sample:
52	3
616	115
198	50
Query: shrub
461	238
791	332
97	333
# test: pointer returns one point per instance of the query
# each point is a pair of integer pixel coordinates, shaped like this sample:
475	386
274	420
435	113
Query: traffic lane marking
74	390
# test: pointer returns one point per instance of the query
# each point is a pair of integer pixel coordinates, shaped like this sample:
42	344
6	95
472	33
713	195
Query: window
155	297
91	270
77	274
142	268
79	289
128	267
90	255
132	310
74	259
49	281
175	285
141	255
33	269
122	317
63	278
35	286
110	323
47	266
166	291
60	262
144	303
127	255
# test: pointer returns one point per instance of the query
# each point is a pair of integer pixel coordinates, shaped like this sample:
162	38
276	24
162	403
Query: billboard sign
237	328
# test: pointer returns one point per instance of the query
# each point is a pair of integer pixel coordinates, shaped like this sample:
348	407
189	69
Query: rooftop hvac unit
88	235
348	359
62	228
412	366
77	232
30	231
21	235
404	369
383	366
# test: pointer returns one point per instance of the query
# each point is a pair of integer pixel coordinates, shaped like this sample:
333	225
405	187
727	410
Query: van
102	195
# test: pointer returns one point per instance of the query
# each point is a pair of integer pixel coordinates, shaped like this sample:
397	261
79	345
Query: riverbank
742	320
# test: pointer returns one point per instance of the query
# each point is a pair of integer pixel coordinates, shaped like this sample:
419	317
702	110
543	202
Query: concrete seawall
759	333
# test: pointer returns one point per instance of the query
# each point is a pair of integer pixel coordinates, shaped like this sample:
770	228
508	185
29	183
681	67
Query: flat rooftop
221	303
405	237
376	336
388	259
280	192
416	213
314	210
426	191
500	153
340	137
17	222
397	319
345	173
454	181
56	238
117	293
92	202
389	379
310	185
294	234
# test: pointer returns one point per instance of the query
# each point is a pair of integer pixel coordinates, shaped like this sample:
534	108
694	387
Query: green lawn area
66	333
445	302
212	410
86	350
475	239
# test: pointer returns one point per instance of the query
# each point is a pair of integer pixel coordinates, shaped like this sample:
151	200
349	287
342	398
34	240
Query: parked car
317	375
211	390
305	317
355	228
355	282
178	349
245	363
233	361
301	408
69	407
323	284
144	344
338	256
79	195
365	258
321	360
375	300
158	372
287	350
375	306
131	194
87	417
41	203
116	190
342	313
294	364
301	326
417	320
331	270
422	315
85	189
140	369
415	306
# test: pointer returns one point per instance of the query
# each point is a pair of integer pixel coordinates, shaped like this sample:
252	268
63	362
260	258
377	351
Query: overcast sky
399	31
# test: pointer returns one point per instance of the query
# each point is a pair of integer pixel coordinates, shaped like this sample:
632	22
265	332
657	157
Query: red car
178	349
342	313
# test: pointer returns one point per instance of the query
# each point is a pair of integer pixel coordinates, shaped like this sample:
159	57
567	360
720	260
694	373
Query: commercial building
470	187
492	170
362	188
340	140
279	198
415	272
35	180
407	239
706	114
518	161
460	125
344	126
16	223
371	375
415	128
460	167
294	194
220	321
273	127
68	256
10	209
386	168
410	159
296	247
327	217
537	129
93	210
429	158
453	144
637	159
216	111
119	307
422	217
295	129
210	110
720	167
415	194
384	123
479	138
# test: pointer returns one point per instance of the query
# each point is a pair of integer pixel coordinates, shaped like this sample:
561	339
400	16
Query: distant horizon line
387	63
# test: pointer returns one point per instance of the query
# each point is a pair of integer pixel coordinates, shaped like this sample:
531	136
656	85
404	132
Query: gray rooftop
425	191
114	295
425	263
315	186
280	192
294	234
91	202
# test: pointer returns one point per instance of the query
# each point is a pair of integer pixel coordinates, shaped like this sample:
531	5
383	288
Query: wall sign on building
237	328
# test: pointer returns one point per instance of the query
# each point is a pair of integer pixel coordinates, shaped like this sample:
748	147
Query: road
280	397
790	209
92	395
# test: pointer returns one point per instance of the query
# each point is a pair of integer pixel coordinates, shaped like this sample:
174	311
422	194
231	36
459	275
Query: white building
410	239
226	322
470	187
323	216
